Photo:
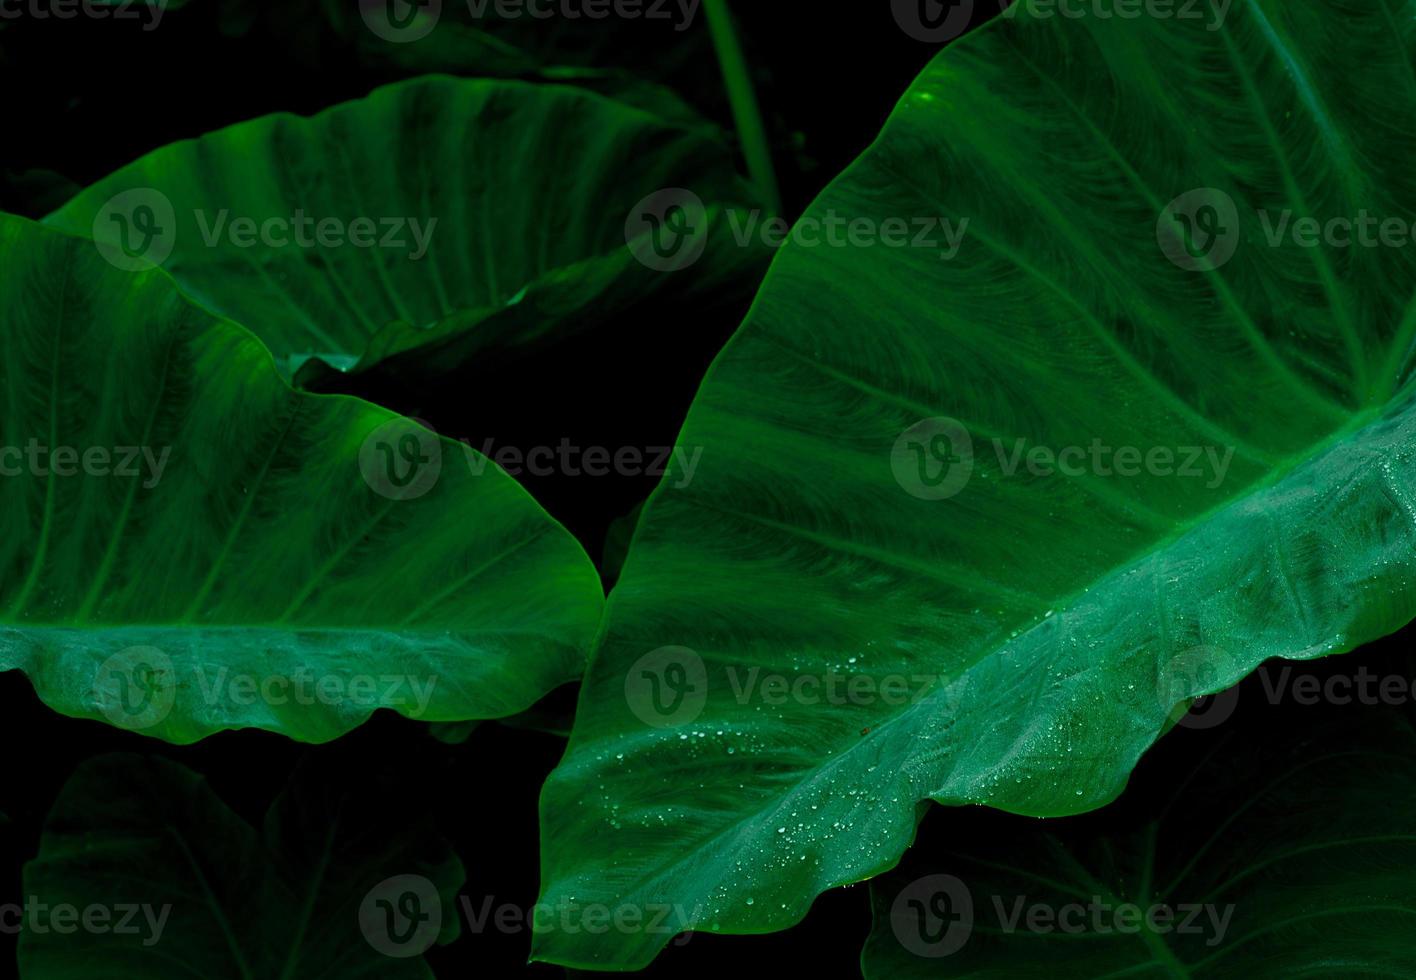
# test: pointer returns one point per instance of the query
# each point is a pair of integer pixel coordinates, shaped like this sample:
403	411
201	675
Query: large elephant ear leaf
1276	849
433	219
972	519
340	881
190	545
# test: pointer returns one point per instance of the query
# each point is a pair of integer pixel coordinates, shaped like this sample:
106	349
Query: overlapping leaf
432	220
189	545
981	504
1275	849
339	882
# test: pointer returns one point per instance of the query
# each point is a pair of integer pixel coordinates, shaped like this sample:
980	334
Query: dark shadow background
83	97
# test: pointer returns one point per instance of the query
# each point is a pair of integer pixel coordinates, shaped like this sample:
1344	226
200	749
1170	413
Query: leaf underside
1034	631
1280	850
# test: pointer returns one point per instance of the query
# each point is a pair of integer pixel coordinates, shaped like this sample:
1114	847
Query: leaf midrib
214	903
1183	528
693	855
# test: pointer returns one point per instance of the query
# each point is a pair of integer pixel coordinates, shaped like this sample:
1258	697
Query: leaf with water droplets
1261	849
1105	391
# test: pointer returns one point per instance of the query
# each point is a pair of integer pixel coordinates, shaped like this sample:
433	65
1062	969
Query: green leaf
212	896
865	597
457	217
553	715
617	541
453	733
188	545
1277	850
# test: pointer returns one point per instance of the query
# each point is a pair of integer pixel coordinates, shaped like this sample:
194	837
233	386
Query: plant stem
746	112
